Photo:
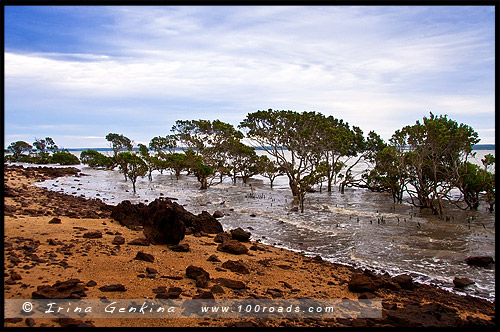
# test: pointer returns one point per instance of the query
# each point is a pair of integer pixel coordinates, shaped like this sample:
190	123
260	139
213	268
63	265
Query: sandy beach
47	241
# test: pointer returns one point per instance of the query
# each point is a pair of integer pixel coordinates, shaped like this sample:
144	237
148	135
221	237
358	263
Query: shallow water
358	228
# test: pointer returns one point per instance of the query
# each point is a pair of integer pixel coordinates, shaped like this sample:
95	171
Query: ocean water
357	228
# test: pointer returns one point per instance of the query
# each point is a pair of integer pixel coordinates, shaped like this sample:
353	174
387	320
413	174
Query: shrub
94	158
65	158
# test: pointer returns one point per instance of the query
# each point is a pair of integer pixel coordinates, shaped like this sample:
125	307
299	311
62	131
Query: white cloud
363	64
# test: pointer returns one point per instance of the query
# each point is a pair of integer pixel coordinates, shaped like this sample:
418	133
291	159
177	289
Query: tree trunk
204	183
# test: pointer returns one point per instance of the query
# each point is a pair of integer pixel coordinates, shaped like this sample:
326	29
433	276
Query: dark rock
246	323
15	276
93	235
221	237
202	281
13	320
233	247
144	257
128	214
55	220
462	282
30	322
367	296
139	242
71	322
61	290
230	283
213	258
184	247
164	222
91	283
275	293
113	288
204	295
53	242
172	293
118	240
424	315
404	281
481	261
317	259
161	289
236	266
218	214
207	223
199	274
150	270
478	322
217	289
240	235
361	283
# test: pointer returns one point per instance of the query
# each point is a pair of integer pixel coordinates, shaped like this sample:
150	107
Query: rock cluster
164	221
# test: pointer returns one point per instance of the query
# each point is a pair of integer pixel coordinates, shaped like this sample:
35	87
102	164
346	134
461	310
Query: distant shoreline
474	147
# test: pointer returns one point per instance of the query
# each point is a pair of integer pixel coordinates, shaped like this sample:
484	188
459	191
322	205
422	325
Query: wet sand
42	253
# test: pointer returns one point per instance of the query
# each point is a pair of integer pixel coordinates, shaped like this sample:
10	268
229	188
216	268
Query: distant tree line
426	160
43	151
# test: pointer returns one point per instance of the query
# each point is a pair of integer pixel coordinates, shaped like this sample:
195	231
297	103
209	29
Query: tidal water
358	228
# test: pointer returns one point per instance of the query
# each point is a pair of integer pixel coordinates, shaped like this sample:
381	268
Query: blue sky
76	73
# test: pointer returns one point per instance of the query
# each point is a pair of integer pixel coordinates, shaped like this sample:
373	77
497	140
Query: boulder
462	282
128	214
236	266
142	256
233	247
113	288
481	261
204	295
69	289
217	289
139	242
213	258
404	281
230	283
361	283
55	220
240	235
93	235
199	274
118	240
71	322
218	214
205	222
163	222
193	272
221	237
172	293
184	247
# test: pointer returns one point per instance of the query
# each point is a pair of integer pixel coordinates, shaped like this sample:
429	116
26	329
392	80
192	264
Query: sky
77	73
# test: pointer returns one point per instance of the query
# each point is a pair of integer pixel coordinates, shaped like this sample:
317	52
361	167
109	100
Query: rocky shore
62	246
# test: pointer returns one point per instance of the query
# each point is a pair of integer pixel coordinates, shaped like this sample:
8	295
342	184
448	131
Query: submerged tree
132	166
209	141
270	169
118	143
437	149
291	138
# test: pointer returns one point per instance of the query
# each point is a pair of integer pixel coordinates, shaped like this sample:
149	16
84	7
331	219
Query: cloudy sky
77	73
